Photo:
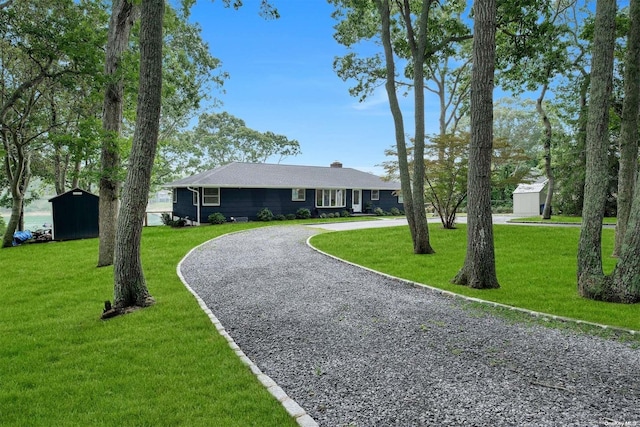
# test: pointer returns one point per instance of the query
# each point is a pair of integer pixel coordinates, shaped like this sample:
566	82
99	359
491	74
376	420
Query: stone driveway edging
291	406
536	314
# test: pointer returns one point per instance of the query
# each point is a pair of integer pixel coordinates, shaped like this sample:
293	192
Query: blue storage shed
75	215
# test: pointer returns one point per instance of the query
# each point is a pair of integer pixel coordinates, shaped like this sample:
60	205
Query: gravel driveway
354	348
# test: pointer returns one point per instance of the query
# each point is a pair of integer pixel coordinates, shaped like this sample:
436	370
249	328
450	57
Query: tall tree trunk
18	170
479	270
629	127
123	16
590	275
418	47
60	164
413	195
396	112
625	279
548	134
75	180
130	288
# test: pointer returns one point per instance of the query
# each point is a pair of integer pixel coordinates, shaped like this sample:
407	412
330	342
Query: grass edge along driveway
165	365
536	266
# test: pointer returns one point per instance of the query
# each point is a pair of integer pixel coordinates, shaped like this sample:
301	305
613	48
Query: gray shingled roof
535	187
263	175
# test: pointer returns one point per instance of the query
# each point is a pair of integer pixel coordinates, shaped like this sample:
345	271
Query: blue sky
282	80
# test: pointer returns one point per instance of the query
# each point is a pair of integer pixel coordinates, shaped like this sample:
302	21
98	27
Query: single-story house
243	189
528	199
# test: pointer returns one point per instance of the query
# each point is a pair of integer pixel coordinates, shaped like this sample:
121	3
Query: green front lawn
536	266
167	365
60	365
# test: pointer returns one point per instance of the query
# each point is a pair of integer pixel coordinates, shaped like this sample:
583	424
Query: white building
528	199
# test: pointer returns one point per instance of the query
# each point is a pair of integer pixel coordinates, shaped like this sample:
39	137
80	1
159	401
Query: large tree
123	15
130	288
623	285
221	138
412	190
589	252
479	269
411	35
629	127
189	74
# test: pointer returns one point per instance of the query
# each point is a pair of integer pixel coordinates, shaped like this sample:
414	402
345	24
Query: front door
356	201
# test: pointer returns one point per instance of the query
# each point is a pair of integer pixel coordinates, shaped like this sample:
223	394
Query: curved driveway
355	348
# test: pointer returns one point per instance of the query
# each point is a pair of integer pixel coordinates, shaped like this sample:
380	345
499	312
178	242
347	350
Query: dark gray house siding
387	200
247	202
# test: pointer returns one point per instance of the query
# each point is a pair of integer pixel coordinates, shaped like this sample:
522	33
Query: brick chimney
336	164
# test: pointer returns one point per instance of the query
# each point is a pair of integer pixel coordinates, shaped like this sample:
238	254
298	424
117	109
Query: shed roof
75	191
265	175
535	187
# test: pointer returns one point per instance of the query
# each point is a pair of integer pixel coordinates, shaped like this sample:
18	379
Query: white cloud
372	102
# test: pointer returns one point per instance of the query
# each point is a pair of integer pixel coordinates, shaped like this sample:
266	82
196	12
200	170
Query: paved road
357	349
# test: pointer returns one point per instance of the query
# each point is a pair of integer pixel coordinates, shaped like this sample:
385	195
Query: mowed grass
536	266
60	365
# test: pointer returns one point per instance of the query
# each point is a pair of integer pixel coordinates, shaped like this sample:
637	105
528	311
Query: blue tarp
20	237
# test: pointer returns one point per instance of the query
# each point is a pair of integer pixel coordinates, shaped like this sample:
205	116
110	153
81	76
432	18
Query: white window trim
295	193
378	195
204	196
343	197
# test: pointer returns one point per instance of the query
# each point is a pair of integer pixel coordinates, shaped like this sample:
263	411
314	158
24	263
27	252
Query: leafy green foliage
221	138
175	223
446	167
446	175
303	213
359	25
217	218
532	43
265	214
47	48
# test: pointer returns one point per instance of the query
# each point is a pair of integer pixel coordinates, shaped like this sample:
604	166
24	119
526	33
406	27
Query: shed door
356	201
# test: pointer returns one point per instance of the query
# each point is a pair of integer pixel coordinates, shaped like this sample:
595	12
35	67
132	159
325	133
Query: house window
330	198
298	195
400	198
175	195
211	197
375	194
